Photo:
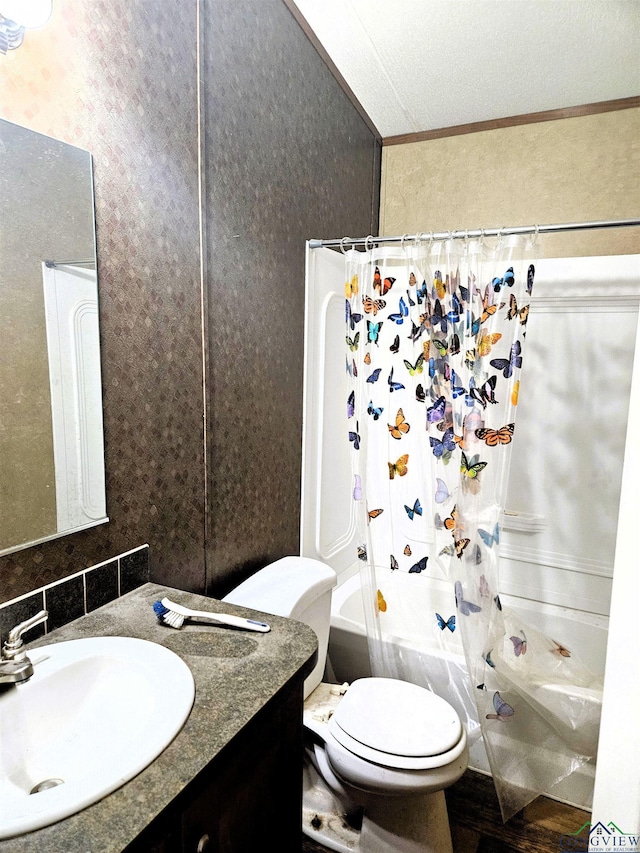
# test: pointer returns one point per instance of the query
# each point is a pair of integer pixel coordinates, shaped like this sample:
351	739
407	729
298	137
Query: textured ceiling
419	65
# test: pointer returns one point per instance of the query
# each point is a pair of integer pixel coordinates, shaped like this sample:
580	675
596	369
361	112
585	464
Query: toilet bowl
385	750
379	752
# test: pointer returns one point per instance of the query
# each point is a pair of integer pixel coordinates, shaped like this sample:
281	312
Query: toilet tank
296	587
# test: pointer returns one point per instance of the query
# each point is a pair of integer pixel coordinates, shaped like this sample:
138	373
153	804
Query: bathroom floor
477	827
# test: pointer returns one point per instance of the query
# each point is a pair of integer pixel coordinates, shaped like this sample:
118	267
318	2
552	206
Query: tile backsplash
78	594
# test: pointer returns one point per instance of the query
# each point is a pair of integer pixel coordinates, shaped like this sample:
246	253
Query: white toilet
378	753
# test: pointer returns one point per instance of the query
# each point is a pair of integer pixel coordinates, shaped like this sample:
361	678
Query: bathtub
348	653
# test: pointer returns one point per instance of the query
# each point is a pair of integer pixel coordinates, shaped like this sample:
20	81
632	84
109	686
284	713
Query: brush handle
221	618
234	621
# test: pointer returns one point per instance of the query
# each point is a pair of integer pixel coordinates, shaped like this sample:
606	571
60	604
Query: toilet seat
398	762
396	724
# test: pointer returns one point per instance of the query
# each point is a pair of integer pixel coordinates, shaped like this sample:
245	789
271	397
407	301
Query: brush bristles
176	620
168	617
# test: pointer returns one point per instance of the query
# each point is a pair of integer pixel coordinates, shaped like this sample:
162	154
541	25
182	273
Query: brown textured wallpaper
119	79
286	158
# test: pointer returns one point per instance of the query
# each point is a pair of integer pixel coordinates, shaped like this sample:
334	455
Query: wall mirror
52	478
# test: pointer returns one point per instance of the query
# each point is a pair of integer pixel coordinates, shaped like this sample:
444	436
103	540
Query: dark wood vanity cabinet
249	798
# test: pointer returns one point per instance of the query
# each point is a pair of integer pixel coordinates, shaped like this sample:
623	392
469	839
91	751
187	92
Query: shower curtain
435	343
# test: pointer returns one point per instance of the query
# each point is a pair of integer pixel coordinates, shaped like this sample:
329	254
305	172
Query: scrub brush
174	615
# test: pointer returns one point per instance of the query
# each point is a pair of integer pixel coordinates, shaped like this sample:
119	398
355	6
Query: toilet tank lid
286	587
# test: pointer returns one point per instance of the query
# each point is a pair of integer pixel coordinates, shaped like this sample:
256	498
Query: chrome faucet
15	666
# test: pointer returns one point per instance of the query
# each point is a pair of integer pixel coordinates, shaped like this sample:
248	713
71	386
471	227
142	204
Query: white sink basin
95	713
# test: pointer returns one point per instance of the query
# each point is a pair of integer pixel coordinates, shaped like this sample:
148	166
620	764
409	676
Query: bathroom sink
95	713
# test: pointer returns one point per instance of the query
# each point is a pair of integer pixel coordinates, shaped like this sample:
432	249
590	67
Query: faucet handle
14	643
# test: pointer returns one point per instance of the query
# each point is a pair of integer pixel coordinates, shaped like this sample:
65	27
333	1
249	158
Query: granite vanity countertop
236	673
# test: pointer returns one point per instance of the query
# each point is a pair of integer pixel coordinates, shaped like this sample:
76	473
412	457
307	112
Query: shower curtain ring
403	238
342	244
367	247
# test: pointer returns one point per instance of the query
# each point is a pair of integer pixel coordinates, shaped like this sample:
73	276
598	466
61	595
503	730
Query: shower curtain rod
346	242
90	262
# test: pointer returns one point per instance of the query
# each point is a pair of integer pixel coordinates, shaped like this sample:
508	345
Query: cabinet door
251	798
168	844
